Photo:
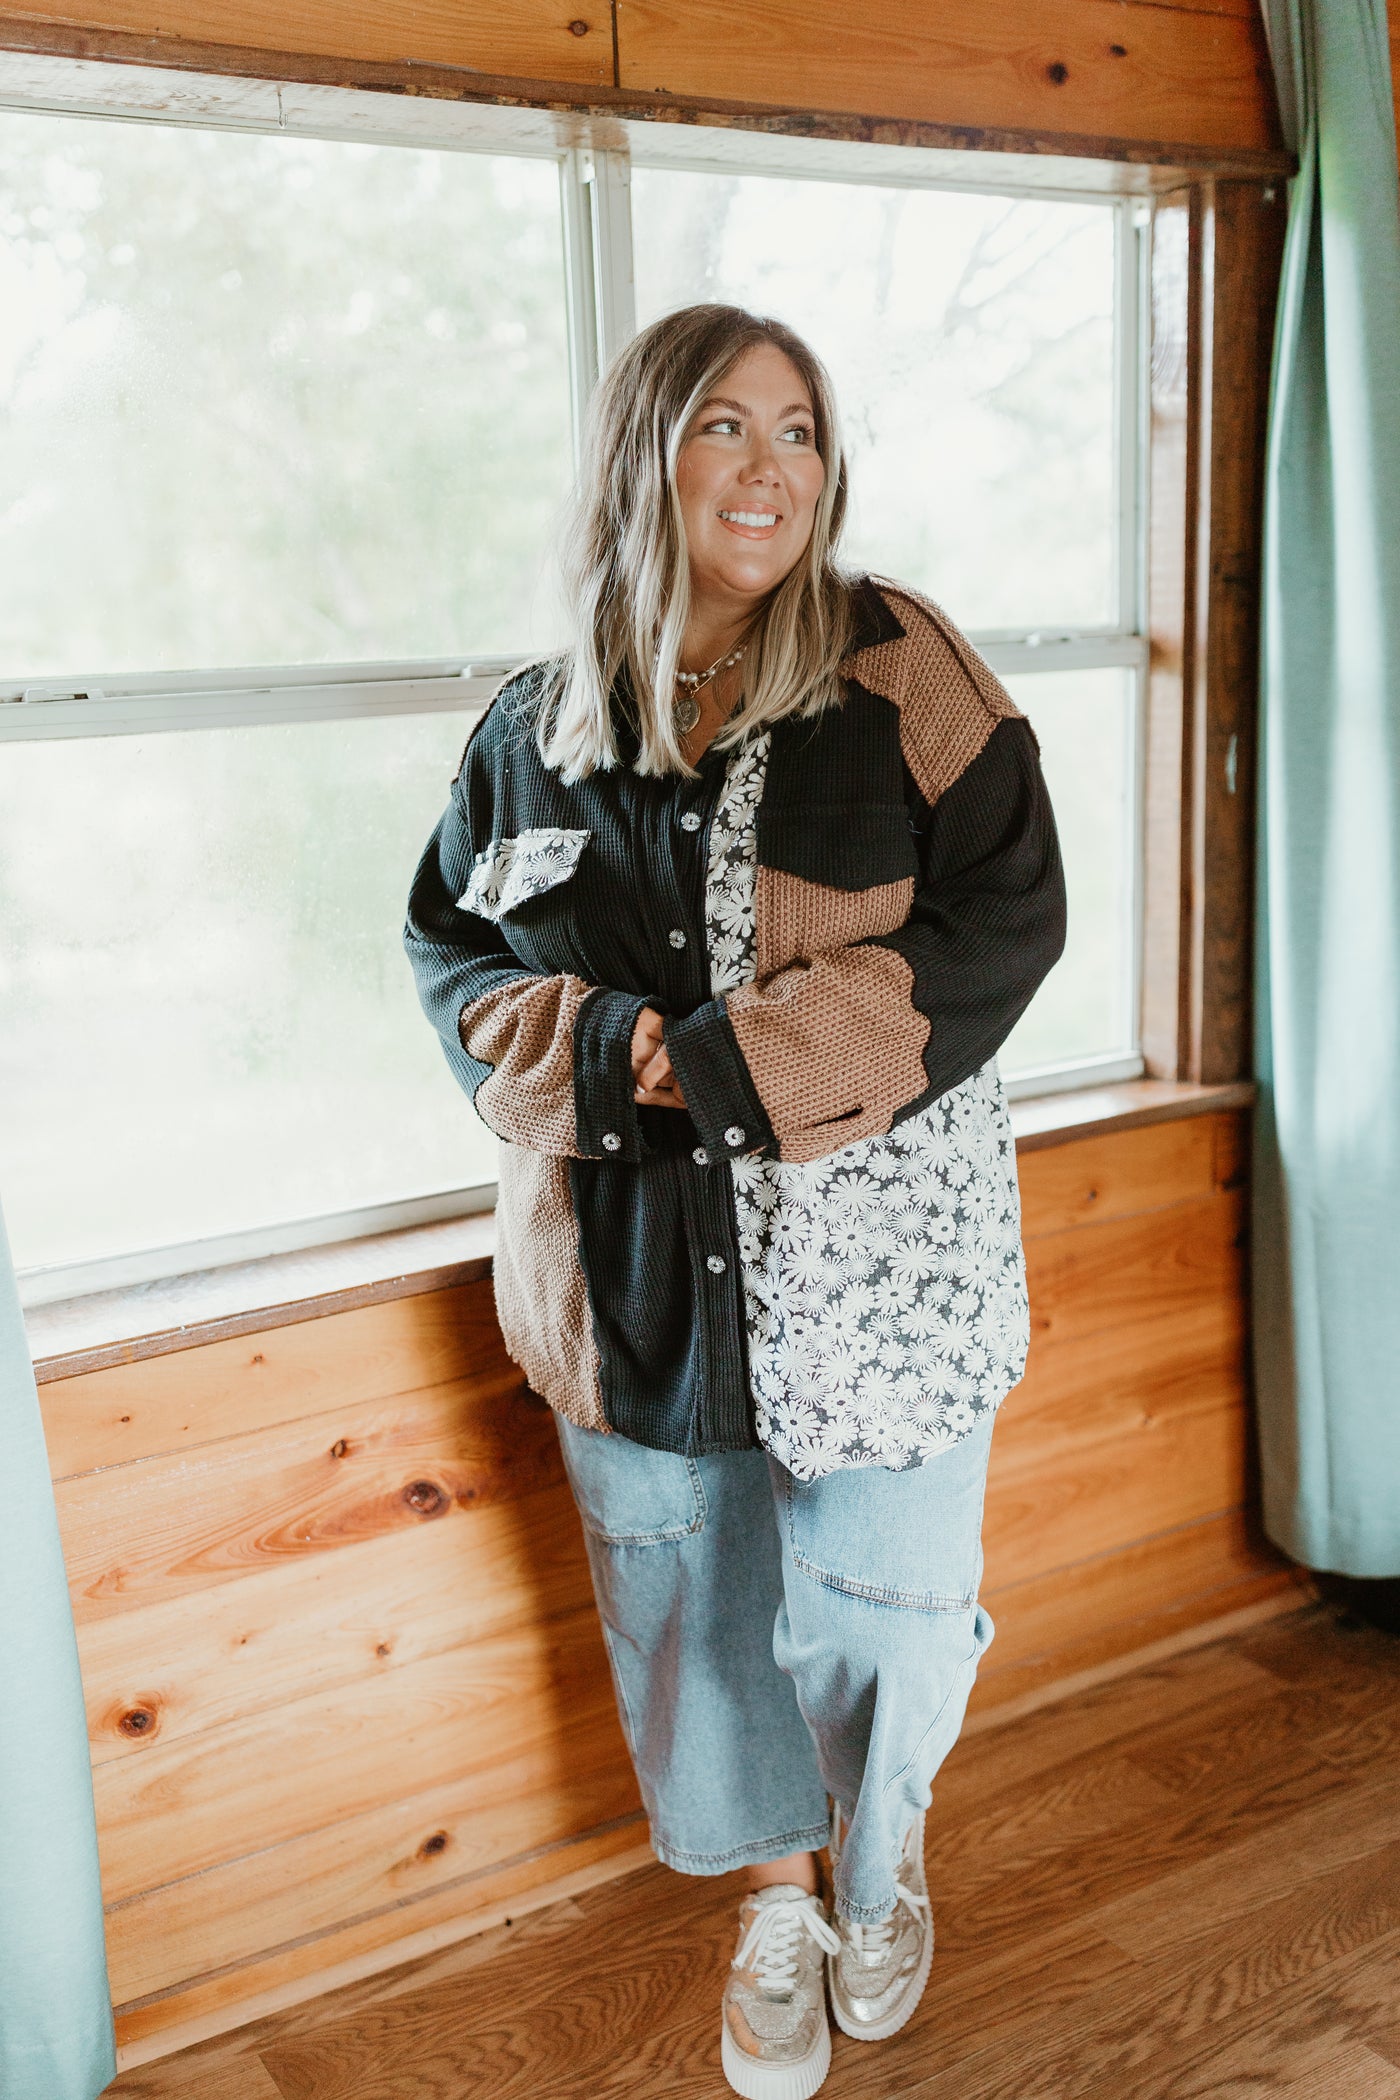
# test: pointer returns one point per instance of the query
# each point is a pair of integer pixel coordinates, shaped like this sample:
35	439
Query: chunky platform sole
881	2030
760	2081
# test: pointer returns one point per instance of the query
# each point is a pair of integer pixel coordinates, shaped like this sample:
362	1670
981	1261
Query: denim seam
671	1536
873	1593
812	1838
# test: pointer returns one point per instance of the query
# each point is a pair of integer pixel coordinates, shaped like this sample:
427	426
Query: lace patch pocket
508	872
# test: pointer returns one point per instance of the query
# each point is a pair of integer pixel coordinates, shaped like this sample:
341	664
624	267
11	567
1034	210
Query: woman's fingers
656	1072
646	1038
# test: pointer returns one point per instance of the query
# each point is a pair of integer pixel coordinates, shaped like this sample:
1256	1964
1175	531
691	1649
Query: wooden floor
1183	1883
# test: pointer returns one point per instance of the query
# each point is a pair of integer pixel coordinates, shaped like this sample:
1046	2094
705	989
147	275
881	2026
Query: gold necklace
686	706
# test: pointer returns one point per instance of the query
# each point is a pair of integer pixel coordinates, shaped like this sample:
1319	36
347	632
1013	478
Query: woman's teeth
750	517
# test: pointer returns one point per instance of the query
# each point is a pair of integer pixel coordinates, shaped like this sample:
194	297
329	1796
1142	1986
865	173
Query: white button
690	821
714	1263
734	1135
611	1141
676	937
700	1156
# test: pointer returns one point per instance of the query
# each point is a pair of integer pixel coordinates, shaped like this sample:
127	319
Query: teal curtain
1327	1165
55	2013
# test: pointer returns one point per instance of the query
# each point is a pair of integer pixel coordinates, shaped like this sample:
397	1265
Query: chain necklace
687	705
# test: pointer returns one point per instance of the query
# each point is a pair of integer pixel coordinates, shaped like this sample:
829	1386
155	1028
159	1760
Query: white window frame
600	304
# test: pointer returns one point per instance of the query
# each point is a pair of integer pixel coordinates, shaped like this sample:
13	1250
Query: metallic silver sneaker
775	2043
878	1972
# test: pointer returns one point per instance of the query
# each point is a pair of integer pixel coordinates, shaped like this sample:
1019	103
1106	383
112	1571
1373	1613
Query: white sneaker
878	1972
775	2043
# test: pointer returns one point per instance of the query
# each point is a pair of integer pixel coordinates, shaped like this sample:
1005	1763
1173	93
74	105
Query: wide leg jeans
776	1641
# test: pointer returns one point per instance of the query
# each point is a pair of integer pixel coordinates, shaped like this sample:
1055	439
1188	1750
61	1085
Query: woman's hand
657	1085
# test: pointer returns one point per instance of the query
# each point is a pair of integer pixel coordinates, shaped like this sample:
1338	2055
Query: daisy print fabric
885	1284
508	872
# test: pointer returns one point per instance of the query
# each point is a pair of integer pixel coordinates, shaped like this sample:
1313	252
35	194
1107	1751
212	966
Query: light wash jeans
774	1641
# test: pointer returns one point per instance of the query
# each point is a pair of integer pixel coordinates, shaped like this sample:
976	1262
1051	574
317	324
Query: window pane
272	400
1084	720
211	1023
971	342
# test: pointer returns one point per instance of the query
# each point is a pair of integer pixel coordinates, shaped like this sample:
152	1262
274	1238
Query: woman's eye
722	423
800	434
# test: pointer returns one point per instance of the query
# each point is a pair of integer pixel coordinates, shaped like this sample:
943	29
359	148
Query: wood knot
339	1448
137	1721
259	1358
1118	50
126	1418
383	1648
1057	71
425	1496
578	29
433	1845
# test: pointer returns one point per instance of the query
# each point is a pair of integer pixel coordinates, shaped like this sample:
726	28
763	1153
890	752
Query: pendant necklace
687	705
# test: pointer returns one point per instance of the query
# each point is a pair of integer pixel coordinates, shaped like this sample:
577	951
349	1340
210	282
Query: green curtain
55	2012
1327	1164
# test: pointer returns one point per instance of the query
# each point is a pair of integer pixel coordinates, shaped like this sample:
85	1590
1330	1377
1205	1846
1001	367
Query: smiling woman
758	1231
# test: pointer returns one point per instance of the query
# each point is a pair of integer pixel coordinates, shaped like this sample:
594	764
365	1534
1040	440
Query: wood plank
229	1388
193	1662
1137	1268
1058	1624
244	2078
1118	1175
1078	67
1199	1899
390	1859
173	1525
1121	1381
212	2004
1178	1470
1242	250
526	37
203	1800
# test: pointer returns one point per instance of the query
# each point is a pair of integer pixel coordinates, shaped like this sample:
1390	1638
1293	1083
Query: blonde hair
626	568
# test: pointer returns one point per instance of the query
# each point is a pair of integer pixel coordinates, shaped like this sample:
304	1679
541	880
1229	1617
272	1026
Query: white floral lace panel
507	872
885	1285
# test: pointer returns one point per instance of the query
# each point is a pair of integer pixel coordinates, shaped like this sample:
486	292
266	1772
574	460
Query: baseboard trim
1296	1597
318	1983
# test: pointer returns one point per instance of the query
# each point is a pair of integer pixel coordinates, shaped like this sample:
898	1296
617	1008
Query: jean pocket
912	1539
628	1494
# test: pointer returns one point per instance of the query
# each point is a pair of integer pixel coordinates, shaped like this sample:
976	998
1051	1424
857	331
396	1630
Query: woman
732	906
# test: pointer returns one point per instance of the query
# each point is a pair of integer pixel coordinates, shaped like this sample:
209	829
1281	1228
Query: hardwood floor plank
1199	1899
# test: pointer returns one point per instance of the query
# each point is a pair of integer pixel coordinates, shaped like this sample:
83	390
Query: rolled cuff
719	1092
605	1107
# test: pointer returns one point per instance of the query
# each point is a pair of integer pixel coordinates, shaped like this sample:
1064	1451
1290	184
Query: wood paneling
1076	67
194	1662
529	37
176	1402
173	1525
345	1683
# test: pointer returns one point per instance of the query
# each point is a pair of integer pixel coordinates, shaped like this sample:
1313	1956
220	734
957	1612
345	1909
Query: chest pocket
828	876
508	872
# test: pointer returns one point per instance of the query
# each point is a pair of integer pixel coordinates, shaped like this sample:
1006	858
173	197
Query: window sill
179	1312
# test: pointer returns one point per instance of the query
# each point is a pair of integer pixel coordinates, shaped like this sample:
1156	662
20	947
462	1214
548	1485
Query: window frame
600	310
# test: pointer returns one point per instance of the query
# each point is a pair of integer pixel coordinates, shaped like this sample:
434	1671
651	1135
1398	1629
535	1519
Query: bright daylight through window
306	402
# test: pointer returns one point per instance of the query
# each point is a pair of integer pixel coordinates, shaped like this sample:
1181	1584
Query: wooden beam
1069	66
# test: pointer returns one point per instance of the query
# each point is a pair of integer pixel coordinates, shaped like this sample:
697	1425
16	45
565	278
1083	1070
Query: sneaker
774	2042
878	1972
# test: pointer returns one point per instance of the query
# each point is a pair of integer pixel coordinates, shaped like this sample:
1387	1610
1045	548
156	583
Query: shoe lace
770	1945
871	1943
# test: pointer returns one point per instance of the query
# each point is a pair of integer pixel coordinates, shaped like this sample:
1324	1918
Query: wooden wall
1147	74
345	1683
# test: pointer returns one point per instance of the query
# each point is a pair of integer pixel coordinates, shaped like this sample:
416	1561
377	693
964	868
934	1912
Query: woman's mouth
751	524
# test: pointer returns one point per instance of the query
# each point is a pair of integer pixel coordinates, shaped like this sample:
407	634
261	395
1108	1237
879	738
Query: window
288	401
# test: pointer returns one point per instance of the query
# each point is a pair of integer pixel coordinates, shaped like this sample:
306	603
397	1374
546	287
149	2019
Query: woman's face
749	478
